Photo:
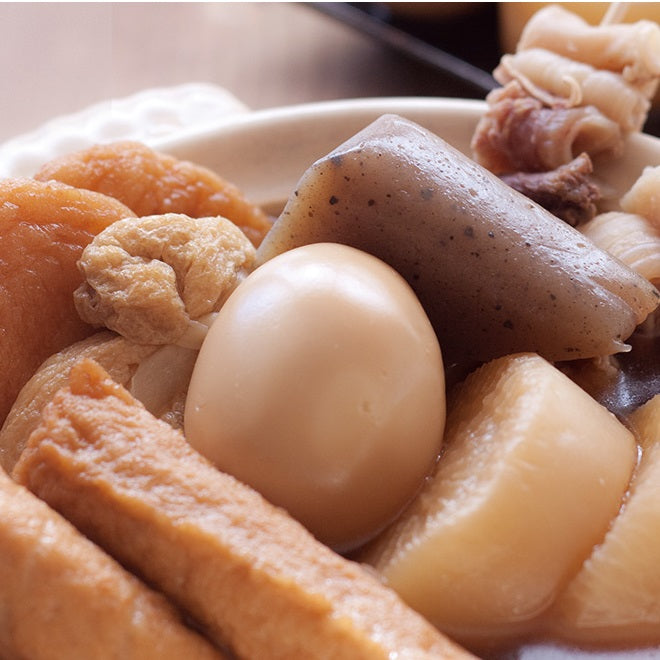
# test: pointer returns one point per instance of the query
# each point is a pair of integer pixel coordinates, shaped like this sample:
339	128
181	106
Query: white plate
145	116
265	152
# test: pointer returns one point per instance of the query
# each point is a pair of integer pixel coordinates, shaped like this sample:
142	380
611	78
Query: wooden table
61	57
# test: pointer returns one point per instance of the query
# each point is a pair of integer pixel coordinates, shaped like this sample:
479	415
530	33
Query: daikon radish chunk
533	472
496	273
614	598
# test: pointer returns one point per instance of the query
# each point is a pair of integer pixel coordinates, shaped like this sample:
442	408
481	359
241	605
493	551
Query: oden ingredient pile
381	373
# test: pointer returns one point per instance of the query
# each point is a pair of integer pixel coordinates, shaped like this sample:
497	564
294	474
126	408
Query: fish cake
248	572
63	597
152	183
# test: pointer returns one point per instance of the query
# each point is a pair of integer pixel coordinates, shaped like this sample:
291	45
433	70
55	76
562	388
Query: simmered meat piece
518	133
562	82
566	191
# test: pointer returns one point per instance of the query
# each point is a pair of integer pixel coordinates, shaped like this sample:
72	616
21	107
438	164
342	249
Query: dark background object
463	47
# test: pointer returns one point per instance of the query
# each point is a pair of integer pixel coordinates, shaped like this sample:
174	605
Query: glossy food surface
44	227
252	577
613	600
320	383
532	475
496	273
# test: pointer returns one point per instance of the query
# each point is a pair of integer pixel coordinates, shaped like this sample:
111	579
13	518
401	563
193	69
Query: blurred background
61	57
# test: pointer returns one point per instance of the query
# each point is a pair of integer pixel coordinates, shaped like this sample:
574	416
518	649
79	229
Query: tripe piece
534	471
252	576
576	83
496	273
629	237
61	596
631	49
643	197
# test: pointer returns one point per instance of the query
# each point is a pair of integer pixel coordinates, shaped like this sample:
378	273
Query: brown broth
625	381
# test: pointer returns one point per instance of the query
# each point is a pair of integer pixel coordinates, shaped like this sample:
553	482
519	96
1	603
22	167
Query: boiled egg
320	383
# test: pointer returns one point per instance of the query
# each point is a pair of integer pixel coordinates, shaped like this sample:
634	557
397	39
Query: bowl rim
320	110
265	152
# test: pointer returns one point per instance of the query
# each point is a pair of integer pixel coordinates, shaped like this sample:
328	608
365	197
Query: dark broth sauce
625	381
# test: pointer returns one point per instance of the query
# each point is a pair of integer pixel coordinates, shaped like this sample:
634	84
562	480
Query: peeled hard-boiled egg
321	384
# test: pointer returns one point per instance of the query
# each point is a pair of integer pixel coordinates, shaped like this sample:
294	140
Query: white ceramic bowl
265	152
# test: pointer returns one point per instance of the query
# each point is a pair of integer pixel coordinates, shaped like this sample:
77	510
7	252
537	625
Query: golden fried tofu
151	183
116	354
61	596
43	230
252	576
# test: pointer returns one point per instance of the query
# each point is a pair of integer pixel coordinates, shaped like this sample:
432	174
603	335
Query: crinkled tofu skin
496	273
533	473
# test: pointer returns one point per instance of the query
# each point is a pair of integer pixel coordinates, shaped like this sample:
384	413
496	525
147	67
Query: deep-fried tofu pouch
44	228
114	353
151	183
62	597
245	570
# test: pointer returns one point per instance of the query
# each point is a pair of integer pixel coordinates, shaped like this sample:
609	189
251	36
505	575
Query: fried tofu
44	227
151	183
62	597
116	354
253	577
